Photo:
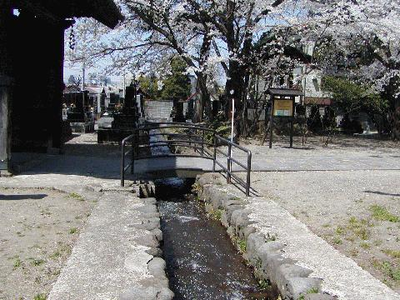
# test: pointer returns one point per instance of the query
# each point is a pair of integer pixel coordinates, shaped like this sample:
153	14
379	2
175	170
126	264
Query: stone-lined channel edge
263	253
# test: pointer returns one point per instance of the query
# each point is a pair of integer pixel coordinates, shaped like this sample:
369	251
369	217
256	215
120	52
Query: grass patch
37	262
40	297
242	245
340	230
73	230
337	241
310	291
17	263
264	284
382	214
56	255
392	253
365	245
76	196
388	269
360	227
217	214
355	228
196	188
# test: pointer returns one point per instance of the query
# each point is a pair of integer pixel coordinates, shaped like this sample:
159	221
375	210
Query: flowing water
201	261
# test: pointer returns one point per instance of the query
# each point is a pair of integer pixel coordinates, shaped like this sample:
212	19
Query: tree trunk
235	89
396	124
204	104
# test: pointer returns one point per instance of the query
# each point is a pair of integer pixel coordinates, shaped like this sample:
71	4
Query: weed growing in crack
264	284
73	230
242	245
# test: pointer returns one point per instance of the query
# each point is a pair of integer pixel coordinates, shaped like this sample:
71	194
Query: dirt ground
39	229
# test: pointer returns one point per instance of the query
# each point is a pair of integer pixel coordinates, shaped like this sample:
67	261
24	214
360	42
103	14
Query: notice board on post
283	107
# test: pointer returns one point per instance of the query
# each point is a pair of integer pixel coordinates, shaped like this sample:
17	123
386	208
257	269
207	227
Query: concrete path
281	158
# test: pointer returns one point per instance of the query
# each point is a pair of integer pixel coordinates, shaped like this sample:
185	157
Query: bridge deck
188	167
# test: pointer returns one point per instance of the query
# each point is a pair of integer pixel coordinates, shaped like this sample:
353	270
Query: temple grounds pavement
347	193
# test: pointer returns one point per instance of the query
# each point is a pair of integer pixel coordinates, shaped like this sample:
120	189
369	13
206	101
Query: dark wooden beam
105	11
5	88
38	10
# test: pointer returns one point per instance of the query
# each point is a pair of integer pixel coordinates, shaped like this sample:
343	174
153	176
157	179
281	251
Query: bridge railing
159	139
231	161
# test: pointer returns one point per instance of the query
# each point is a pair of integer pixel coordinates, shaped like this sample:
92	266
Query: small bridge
159	150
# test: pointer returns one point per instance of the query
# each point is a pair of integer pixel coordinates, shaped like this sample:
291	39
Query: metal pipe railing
230	160
195	140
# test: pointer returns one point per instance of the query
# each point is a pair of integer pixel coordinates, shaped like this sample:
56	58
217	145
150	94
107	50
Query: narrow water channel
201	261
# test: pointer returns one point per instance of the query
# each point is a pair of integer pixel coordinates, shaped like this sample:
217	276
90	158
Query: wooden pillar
5	89
55	94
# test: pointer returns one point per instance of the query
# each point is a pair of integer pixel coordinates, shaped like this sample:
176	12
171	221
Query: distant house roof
105	11
285	92
71	89
318	101
94	89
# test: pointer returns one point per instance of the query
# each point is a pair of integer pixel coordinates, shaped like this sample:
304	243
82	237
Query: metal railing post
123	163
202	143
190	137
195	140
215	152
229	165
248	173
133	155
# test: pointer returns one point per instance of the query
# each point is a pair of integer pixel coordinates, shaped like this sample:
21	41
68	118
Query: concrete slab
109	260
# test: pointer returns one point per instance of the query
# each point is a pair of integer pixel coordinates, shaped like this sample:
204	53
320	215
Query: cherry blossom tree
226	33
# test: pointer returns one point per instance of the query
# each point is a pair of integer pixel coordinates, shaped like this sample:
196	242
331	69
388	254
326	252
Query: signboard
283	108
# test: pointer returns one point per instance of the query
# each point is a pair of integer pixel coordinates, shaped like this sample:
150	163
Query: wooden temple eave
54	11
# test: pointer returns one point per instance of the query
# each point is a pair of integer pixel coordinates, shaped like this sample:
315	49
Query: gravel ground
39	229
356	211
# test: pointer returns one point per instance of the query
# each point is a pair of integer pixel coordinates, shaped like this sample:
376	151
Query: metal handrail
230	160
194	141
